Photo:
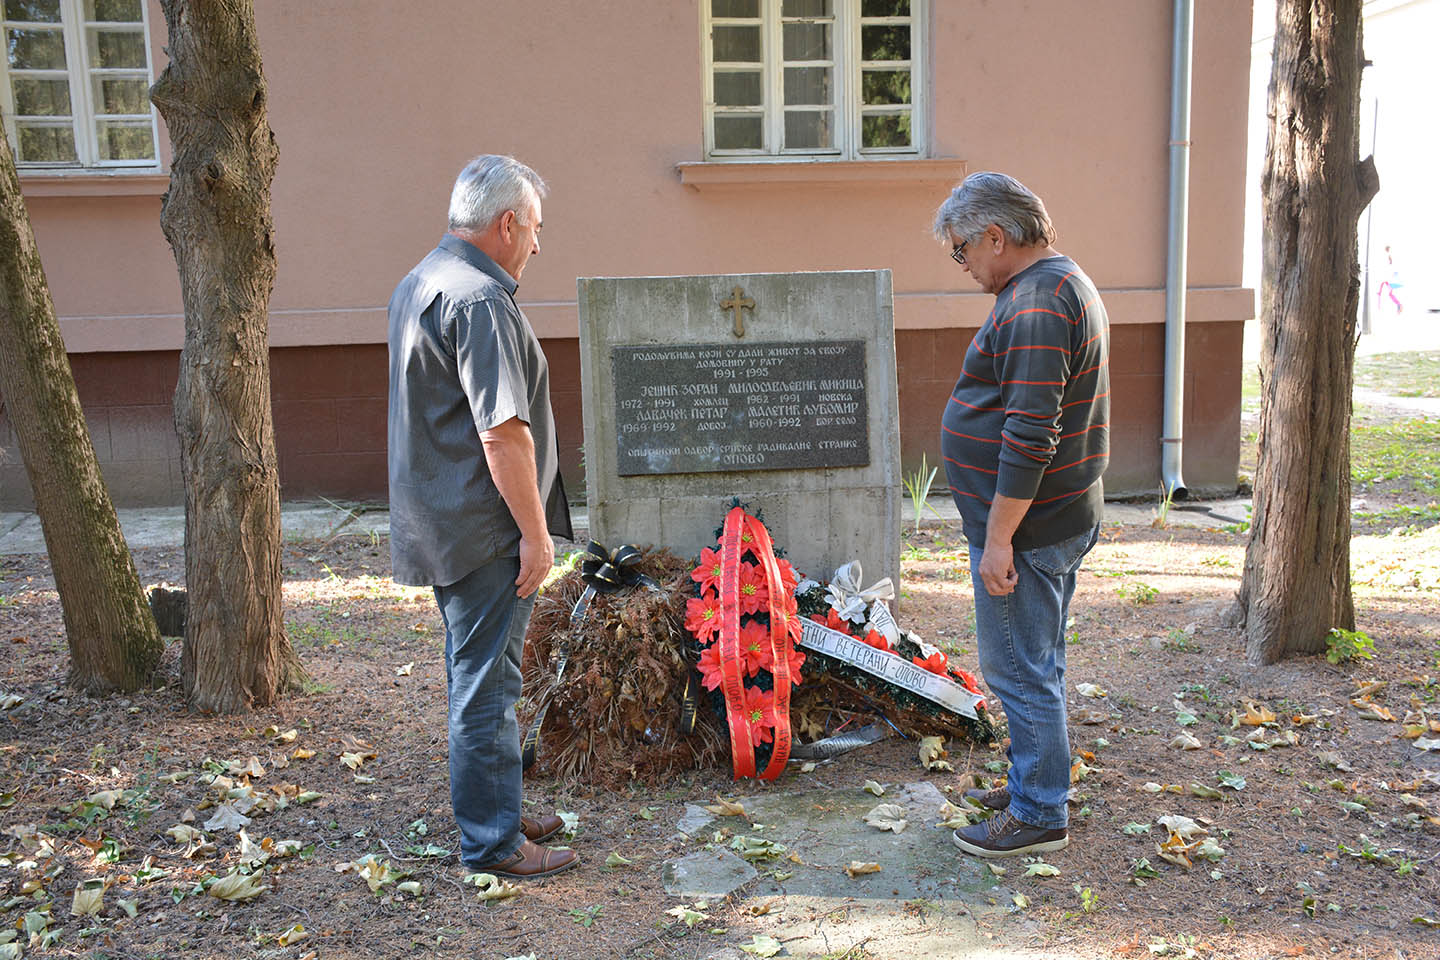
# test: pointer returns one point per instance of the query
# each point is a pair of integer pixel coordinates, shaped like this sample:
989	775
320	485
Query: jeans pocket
1061	559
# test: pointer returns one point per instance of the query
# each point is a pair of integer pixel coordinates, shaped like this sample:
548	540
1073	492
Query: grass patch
1413	374
1406	451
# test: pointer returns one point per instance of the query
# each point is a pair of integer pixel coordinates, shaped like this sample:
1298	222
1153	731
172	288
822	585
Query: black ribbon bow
611	570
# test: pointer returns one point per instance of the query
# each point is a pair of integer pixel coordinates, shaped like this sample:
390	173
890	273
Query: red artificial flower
707	574
759	712
967	680
702	617
709	667
876	639
937	662
754	591
788	577
796	658
755	649
833	620
792	624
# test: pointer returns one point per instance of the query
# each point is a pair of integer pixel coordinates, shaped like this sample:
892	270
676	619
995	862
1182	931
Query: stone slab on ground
927	900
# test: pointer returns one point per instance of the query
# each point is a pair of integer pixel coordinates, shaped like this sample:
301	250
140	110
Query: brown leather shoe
531	862
540	828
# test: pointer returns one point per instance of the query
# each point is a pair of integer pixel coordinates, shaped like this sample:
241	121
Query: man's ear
996	237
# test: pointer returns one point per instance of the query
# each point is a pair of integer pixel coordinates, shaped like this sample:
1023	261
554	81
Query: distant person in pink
1392	283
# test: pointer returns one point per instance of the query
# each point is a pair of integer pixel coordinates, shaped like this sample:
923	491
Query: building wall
375	111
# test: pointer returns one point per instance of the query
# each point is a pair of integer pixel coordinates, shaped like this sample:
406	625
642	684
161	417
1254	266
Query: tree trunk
114	644
216	216
1296	584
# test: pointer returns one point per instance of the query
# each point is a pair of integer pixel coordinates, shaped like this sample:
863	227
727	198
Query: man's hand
537	556
997	569
510	455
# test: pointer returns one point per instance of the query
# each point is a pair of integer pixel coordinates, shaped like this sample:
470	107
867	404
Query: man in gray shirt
475	493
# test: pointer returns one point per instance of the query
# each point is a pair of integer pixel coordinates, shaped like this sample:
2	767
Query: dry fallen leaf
405	670
933	754
294	935
1256	716
726	808
870	786
1185	741
89	898
887	816
1089	715
237	887
1091	690
857	868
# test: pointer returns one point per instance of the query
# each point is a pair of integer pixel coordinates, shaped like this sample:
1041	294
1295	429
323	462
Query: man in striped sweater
1025	437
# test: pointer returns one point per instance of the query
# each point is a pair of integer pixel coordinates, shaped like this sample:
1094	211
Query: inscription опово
756	406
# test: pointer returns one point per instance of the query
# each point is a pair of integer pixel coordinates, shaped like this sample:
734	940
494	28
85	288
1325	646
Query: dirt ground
1330	845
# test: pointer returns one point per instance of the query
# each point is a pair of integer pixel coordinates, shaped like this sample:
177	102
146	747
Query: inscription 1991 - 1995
756	406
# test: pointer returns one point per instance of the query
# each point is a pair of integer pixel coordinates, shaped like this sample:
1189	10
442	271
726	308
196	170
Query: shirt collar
478	259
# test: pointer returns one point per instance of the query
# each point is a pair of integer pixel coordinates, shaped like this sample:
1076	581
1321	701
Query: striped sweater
1030	415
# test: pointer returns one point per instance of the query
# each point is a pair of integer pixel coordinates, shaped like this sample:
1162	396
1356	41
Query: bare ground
1147	629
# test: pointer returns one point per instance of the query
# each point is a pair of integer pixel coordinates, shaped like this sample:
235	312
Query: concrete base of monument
927	900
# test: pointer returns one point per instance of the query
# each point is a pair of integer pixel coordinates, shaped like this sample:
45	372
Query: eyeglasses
958	254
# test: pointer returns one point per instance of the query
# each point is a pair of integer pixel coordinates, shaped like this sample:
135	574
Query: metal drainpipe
1171	447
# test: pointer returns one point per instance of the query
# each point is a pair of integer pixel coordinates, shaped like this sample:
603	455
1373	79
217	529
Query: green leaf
1200	790
1042	869
1135	829
615	860
761	946
1232	780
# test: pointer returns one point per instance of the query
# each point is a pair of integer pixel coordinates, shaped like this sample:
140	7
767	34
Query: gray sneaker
1004	836
995	799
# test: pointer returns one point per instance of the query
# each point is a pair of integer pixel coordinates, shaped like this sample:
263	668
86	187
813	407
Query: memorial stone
778	389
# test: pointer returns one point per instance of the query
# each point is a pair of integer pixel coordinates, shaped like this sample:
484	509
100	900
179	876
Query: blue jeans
485	627
1022	655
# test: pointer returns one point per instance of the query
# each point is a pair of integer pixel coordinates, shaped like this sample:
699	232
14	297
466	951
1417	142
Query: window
77	78
840	78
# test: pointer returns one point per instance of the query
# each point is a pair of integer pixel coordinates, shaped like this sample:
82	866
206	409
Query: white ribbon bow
848	600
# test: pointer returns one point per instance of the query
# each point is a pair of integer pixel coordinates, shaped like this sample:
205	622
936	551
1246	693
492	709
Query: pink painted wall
376	106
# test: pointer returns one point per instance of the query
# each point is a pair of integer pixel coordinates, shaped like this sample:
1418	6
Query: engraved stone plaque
743	406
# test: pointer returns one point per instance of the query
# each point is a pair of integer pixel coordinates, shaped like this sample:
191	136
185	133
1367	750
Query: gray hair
487	187
986	198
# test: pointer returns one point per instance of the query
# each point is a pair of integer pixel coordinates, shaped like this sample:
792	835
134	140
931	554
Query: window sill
703	174
93	183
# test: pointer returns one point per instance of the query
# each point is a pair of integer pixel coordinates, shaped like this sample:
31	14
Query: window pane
730	8
885	130
36	49
734	88
805	8
120	140
736	44
807	85
737	132
121	95
46	144
807	41
885	86
34	11
808	129
110	49
113	11
885	42
38	97
884	8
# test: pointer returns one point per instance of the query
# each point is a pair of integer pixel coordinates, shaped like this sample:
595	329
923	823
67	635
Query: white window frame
82	102
847	86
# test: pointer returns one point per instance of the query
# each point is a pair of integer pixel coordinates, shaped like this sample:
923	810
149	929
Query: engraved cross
738	302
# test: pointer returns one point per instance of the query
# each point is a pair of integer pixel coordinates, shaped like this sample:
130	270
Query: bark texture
1296	584
216	216
114	644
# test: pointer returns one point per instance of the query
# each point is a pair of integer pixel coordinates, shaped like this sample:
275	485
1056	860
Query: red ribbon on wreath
754	715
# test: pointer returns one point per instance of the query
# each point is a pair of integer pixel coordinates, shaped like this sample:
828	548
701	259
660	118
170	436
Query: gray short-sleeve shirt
463	359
